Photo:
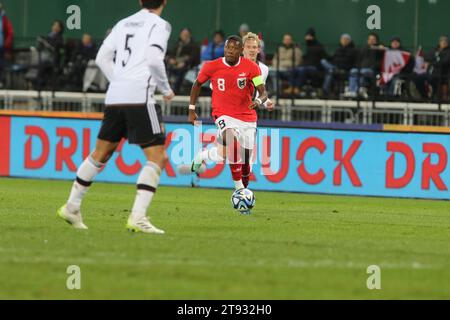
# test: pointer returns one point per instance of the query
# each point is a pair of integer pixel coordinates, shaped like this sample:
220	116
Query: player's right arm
105	56
204	75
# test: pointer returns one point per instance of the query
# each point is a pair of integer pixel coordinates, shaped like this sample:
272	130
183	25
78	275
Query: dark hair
61	25
187	29
152	4
373	34
311	32
235	38
219	32
396	38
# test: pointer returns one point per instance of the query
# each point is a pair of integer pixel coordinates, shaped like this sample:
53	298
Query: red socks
246	174
236	171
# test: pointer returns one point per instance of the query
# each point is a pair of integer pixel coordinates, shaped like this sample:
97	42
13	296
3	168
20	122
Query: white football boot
142	225
73	218
197	163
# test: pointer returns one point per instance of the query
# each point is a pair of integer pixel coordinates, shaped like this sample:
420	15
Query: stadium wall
334	160
416	22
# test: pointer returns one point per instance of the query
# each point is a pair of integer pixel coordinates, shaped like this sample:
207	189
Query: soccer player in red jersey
233	79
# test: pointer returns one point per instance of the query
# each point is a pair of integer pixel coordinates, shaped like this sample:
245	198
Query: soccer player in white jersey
252	48
132	58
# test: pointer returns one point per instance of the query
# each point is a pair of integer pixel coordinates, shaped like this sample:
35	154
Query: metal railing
314	110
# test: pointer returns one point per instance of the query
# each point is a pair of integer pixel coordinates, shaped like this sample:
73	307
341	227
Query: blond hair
251	36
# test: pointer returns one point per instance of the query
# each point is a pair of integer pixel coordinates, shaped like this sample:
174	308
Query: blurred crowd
297	70
372	69
6	41
309	70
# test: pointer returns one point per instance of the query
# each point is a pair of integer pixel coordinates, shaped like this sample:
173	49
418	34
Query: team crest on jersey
242	83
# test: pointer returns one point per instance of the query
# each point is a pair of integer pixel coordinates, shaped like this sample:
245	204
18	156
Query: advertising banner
286	159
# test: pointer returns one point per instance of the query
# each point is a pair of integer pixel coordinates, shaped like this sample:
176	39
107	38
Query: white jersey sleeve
111	40
264	71
105	55
264	74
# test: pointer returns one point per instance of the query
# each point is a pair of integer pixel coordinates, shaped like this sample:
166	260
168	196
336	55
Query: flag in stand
420	66
394	61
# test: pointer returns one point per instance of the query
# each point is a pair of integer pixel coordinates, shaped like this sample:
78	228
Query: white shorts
246	131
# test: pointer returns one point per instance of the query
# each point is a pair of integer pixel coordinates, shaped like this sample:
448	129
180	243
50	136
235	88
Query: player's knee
161	155
229	137
102	156
230	133
104	151
164	159
161	159
247	156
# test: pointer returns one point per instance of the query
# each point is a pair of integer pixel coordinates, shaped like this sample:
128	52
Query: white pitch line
294	264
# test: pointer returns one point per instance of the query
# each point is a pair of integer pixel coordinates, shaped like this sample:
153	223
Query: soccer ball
243	200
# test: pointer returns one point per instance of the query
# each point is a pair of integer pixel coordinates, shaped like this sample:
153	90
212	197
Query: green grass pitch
293	246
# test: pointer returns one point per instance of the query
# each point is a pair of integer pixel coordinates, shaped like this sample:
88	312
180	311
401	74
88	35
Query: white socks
147	183
85	175
212	154
239	185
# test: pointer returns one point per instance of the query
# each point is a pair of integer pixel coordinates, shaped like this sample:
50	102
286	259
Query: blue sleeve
220	51
207	54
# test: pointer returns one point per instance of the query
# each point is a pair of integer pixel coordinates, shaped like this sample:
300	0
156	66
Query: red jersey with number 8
232	87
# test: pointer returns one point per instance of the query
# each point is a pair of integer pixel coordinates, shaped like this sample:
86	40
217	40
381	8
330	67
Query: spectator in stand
395	46
94	80
86	49
50	48
367	66
286	59
244	29
262	54
215	48
204	46
343	60
438	69
312	58
55	40
6	40
184	56
84	53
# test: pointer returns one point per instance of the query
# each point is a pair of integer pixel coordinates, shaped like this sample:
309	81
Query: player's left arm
262	93
259	83
269	105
